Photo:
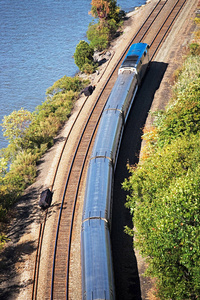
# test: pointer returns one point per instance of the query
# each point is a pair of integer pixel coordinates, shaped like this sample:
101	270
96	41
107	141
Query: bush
164	191
109	20
182	115
23	169
115	12
107	10
83	54
3	238
194	49
165	205
15	126
89	68
65	84
30	135
99	37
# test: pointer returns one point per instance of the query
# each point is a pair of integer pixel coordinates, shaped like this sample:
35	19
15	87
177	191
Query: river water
37	42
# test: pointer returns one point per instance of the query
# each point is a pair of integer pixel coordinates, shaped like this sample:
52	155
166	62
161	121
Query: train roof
134	54
137	49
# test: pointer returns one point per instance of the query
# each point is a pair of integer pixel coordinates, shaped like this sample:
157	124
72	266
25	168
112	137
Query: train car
123	93
108	135
96	254
99	189
97	267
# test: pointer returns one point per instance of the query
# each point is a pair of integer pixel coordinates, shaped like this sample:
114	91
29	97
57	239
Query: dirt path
18	257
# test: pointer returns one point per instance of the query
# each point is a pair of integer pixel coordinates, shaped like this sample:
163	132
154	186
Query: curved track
153	31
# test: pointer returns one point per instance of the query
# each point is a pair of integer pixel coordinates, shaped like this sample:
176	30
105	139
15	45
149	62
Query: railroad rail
153	31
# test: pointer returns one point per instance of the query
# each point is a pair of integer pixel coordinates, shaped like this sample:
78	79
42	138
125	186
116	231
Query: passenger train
96	255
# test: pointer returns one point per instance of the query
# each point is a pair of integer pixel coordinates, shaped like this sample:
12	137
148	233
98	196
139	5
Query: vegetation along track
153	31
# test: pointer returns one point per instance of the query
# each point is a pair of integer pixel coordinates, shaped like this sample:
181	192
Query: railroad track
153	31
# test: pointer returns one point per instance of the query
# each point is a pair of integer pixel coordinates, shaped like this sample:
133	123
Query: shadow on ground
127	281
13	256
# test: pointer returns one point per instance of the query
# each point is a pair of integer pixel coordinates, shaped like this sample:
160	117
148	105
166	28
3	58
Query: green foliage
65	84
89	68
98	36
15	125
83	55
164	189
165	205
3	237
51	115
115	12
30	135
194	49
3	167
182	115
101	33
22	173
197	21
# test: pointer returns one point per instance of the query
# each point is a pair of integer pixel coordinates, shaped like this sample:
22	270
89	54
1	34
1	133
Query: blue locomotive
96	254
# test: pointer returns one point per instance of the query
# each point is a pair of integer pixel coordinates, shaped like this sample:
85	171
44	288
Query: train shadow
127	277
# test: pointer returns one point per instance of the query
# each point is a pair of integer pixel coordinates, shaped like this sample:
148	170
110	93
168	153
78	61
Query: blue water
37	41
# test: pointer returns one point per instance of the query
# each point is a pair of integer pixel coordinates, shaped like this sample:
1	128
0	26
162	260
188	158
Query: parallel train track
153	31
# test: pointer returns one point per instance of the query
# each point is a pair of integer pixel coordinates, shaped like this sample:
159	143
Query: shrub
197	21
98	36
100	9
30	135
194	49
83	54
89	68
115	12
65	84
23	169
164	191
165	205
182	115
109	20
107	10
15	126
3	238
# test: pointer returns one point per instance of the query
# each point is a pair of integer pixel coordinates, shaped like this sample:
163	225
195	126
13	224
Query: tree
115	12
83	54
65	84
106	9
165	205
100	8
109	17
98	37
15	125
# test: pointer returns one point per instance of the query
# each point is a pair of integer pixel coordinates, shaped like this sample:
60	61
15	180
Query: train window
133	58
130	61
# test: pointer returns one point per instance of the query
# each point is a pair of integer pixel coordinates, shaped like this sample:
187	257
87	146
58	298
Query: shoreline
23	232
129	14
